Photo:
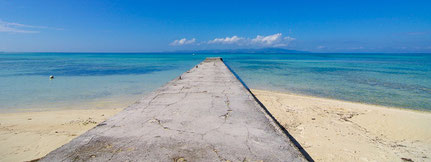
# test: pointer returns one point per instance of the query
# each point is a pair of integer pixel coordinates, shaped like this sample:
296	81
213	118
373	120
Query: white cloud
357	48
227	40
321	47
275	40
183	41
289	38
12	27
267	40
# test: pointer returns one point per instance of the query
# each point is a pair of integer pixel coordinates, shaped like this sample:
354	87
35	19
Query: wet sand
334	130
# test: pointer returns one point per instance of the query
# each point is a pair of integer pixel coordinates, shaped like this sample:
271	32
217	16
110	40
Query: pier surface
206	114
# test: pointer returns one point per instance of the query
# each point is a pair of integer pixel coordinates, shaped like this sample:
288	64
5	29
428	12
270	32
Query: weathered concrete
204	115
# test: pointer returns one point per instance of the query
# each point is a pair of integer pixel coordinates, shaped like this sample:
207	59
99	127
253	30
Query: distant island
240	51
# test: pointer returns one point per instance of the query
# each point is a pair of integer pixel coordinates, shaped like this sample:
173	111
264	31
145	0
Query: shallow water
87	80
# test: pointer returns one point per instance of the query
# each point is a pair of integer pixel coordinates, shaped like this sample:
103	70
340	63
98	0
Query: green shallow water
398	80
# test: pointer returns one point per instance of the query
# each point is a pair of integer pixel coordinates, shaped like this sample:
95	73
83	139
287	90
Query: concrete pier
206	114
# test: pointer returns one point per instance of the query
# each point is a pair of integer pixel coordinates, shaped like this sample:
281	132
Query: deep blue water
399	80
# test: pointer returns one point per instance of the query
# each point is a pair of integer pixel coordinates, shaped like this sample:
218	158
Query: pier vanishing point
206	114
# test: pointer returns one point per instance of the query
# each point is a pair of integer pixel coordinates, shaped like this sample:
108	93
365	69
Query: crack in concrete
70	155
218	155
123	146
246	141
227	101
159	122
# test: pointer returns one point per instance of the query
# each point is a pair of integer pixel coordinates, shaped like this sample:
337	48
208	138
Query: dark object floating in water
51	77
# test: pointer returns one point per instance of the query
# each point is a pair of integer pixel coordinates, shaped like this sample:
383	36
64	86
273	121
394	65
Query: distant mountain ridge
241	51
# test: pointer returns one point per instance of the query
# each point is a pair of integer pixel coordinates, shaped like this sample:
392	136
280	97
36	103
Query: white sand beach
330	130
26	136
334	130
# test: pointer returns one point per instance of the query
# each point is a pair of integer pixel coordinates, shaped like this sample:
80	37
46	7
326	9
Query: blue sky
148	26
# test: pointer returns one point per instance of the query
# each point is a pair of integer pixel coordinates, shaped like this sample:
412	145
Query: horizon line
191	52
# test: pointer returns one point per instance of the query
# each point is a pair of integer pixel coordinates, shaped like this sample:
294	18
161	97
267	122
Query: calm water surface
98	80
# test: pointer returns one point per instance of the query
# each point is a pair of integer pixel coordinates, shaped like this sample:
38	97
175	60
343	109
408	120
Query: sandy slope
31	135
333	130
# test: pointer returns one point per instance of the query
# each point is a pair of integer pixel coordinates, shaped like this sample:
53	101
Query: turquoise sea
100	80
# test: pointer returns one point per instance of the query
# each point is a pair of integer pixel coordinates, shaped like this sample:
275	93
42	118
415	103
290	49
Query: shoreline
346	101
328	129
96	104
125	101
